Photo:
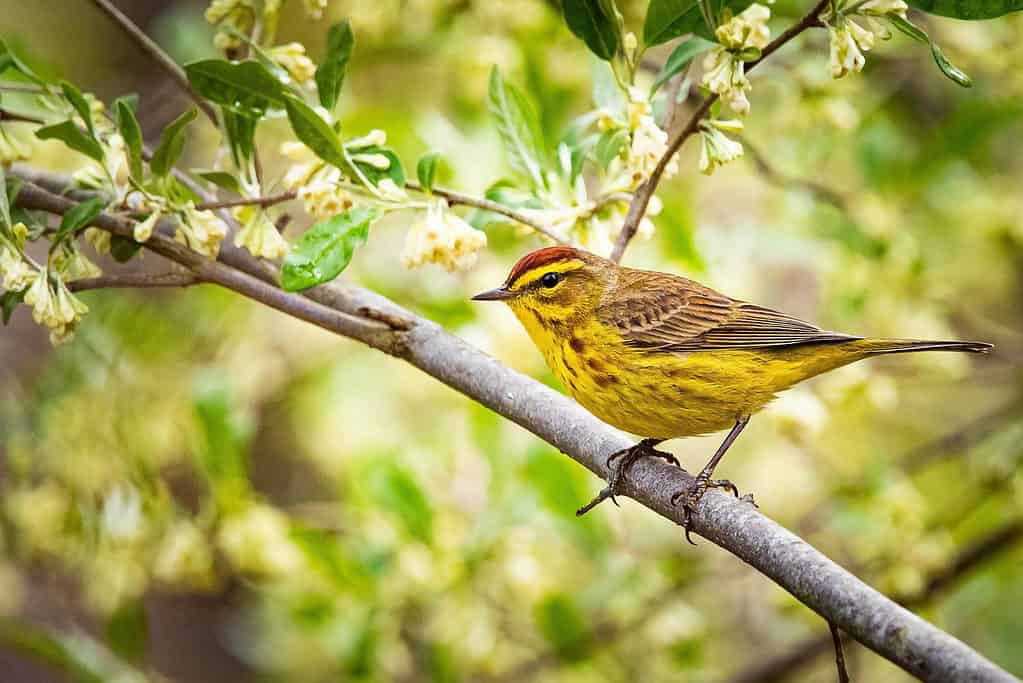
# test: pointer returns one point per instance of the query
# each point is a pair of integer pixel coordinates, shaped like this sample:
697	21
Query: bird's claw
625	457
692	495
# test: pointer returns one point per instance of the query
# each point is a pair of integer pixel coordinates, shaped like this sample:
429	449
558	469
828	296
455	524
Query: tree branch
637	209
834	593
134	281
149	46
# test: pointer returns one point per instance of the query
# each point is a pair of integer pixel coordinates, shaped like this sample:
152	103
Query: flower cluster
293	59
200	230
112	175
258	233
439	236
317	184
647	143
716	148
854	29
741	38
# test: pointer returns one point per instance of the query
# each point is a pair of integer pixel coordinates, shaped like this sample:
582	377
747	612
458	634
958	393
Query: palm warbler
662	356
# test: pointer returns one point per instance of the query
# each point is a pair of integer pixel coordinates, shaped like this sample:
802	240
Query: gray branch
839	597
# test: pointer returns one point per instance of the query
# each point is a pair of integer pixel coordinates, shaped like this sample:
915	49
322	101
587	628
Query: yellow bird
662	356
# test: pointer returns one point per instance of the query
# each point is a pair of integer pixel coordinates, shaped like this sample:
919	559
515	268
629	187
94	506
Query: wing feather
667	312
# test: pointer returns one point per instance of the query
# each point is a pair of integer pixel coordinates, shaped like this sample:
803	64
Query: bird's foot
619	463
692	495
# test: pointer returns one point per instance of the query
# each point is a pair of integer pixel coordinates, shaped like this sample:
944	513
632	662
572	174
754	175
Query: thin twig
134	281
637	209
836	640
149	46
266	201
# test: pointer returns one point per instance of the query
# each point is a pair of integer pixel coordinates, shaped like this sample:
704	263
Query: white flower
144	229
725	75
258	540
880	8
99	239
121	514
293	58
375	137
716	148
201	230
15	273
849	39
746	29
71	264
379	161
55	307
390	191
11	149
439	236
258	234
845	55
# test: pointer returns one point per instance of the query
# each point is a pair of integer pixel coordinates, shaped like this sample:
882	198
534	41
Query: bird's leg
692	495
625	458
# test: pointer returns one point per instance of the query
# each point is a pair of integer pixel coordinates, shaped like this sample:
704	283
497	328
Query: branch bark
857	609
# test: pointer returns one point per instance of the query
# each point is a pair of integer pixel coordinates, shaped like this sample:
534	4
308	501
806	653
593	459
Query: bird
662	356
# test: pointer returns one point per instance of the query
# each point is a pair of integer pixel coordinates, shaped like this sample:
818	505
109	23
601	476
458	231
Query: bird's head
554	284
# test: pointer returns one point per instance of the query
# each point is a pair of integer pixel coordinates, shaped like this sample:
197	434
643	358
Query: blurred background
198	489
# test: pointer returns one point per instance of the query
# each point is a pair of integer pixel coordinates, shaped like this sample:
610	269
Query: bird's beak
499	294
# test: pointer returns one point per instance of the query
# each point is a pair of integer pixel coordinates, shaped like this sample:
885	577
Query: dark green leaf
916	33
373	174
315	133
397	491
172	141
129	128
9	301
590	21
219	178
72	136
123	249
131	100
564	626
519	127
10	60
127	631
609	145
426	170
246	87
968	9
667	19
330	75
80	215
80	105
241	135
326	249
679	59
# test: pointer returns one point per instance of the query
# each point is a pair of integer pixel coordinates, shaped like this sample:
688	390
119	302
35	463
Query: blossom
293	58
258	234
746	29
846	52
11	149
439	236
716	148
15	273
200	230
849	39
71	264
144	229
99	239
390	191
724	66
55	307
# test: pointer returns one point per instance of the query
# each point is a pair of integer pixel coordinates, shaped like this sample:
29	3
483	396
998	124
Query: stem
150	47
836	640
266	201
637	209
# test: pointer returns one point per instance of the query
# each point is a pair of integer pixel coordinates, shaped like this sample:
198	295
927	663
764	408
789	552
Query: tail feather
879	346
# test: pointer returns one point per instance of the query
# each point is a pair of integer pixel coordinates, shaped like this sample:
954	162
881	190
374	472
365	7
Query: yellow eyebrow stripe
530	276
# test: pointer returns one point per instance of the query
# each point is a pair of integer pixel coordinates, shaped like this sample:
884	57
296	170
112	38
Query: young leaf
219	178
80	105
172	141
246	87
394	171
610	145
667	19
330	75
326	249
314	132
72	136
123	249
129	128
241	134
9	301
589	21
680	58
519	127
968	9
9	60
916	33
426	170
80	215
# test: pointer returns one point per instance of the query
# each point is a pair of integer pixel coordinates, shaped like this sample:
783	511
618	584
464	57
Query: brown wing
660	311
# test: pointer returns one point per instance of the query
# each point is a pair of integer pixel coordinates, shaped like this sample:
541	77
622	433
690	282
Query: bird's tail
881	346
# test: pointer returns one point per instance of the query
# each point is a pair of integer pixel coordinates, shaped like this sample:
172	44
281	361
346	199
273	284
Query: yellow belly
669	394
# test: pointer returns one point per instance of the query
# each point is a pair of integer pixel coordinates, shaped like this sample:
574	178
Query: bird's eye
550	280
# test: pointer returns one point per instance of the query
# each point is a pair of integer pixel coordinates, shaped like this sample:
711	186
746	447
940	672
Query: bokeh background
198	489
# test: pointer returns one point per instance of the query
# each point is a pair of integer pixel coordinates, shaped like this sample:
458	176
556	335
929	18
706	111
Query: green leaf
396	490
225	437
172	141
326	249
123	249
330	75
680	58
9	301
591	21
667	19
315	133
394	171
10	60
426	170
916	33
219	178
519	127
610	145
241	135
80	215
968	9
129	128
245	87
562	623
127	631
80	105
72	136
5	204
